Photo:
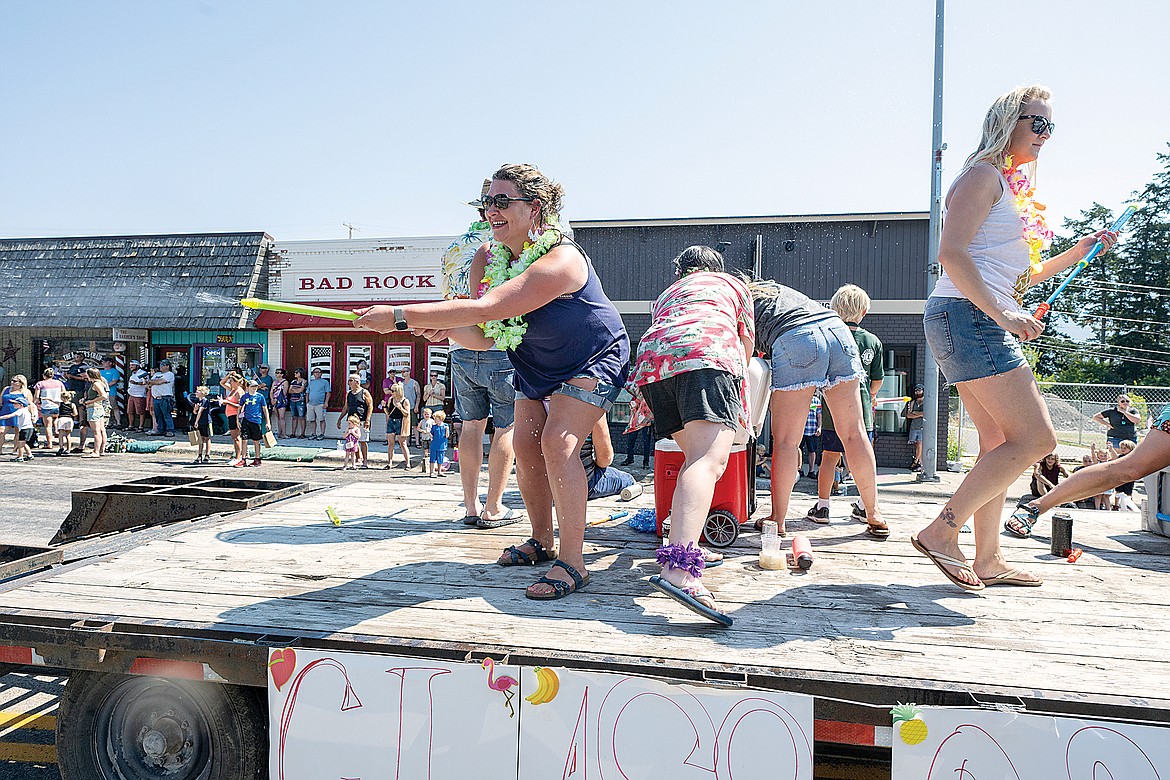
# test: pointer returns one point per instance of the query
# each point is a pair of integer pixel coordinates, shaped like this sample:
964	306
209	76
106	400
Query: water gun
613	516
298	308
1043	309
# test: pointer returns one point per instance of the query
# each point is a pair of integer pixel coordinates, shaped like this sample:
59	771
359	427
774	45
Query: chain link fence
1072	408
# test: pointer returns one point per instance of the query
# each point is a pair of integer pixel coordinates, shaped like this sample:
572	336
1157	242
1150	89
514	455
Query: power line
1102	345
1107	317
1122	287
1100	356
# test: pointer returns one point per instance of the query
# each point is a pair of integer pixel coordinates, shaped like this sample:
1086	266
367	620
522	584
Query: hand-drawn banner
976	744
367	717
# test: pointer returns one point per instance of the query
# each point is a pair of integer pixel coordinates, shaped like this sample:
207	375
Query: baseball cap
253	383
135	363
917	388
263	365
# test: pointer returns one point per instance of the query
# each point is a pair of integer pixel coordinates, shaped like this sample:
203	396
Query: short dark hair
697	258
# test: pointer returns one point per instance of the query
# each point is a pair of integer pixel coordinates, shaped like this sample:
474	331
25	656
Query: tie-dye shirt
698	322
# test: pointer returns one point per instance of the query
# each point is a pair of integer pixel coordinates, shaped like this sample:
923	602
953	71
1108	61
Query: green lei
508	333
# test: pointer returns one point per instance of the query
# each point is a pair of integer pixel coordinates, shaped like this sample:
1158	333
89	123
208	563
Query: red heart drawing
282	664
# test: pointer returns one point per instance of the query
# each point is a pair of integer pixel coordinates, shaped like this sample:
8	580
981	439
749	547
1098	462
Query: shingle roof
168	281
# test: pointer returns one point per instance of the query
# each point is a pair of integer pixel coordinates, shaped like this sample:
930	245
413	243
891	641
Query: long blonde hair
998	126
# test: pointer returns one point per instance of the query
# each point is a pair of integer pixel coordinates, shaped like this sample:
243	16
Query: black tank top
355	403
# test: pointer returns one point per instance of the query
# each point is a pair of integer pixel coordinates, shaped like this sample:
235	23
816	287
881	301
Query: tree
1108	325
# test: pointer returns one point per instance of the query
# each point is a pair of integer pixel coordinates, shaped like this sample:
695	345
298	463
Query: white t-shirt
165	389
999	251
138	391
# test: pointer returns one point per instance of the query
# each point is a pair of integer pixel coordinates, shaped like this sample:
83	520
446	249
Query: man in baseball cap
915	410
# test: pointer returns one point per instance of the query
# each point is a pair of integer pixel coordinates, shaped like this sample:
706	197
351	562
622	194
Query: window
900	362
437	362
320	356
357	361
399	361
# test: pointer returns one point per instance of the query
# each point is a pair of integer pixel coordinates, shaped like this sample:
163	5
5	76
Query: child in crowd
439	434
253	419
22	419
1123	493
65	414
424	431
202	404
353	437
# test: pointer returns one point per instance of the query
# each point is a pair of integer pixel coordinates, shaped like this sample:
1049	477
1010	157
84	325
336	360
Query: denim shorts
820	354
297	408
394	425
967	344
602	395
483	386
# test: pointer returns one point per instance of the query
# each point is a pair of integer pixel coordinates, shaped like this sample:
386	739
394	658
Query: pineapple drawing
908	721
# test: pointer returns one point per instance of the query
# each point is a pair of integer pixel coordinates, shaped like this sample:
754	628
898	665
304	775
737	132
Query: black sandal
560	588
1019	523
521	558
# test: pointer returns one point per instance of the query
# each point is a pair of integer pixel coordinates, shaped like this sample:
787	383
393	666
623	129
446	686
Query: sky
297	117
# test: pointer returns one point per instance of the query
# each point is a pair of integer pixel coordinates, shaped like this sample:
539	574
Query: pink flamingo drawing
504	684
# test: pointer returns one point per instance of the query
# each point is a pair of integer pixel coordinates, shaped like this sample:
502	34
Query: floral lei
1037	234
510	332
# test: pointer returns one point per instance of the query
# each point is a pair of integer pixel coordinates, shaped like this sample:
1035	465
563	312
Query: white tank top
998	249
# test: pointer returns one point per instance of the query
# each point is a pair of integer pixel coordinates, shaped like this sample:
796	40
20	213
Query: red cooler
735	492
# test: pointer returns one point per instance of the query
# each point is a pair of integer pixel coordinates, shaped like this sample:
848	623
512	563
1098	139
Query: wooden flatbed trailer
177	631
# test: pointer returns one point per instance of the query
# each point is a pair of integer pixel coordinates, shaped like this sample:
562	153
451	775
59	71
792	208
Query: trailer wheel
125	727
721	528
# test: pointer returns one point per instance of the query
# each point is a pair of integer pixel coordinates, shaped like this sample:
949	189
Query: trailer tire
126	727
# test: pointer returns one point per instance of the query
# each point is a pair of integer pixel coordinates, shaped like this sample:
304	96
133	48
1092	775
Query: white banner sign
386	269
384	718
979	744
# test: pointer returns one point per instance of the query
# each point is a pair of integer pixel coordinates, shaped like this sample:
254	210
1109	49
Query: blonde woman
397	409
97	411
992	233
18	412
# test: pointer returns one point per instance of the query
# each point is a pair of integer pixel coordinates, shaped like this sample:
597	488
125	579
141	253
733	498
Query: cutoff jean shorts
967	344
483	386
820	354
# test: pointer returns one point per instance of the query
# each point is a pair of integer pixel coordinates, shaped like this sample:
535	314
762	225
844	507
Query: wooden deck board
403	569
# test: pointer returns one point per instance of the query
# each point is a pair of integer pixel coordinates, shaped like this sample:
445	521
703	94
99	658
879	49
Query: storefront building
347	274
132	297
885	254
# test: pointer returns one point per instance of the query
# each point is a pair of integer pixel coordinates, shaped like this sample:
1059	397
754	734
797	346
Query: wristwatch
399	319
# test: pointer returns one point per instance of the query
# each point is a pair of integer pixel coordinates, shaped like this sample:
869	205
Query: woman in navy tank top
571	363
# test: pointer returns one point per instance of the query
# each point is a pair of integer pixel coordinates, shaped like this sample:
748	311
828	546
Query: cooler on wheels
734	499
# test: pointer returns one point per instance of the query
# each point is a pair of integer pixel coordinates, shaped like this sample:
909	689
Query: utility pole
933	269
351	228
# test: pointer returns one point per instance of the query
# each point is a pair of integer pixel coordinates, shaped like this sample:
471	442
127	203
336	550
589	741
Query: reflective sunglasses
501	202
1041	125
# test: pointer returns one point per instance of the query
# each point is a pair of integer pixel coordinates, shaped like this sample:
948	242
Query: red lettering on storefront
344	283
325	285
307	284
372	283
425	281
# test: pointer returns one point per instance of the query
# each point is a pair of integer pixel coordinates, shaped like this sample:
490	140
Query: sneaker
198	459
819	514
239	464
255	461
169	434
858	513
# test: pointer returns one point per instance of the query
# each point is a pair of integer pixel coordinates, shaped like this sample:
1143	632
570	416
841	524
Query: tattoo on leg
948	515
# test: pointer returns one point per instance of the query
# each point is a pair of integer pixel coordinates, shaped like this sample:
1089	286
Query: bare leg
568	424
844	400
706	447
470	463
789	409
500	459
531	474
829	461
1014	432
1152	454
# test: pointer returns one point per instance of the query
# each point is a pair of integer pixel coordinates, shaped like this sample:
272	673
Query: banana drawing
548	685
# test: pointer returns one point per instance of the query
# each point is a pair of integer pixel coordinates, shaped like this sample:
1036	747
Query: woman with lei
993	234
567	346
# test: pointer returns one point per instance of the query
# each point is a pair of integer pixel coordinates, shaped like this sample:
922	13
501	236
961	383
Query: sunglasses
501	202
1041	125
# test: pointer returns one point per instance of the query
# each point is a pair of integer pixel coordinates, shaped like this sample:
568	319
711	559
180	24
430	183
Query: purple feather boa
688	557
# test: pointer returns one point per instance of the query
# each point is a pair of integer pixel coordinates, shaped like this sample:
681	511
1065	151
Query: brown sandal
517	557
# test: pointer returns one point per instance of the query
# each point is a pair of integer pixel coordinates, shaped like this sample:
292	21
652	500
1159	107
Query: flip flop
1012	577
687	597
877	531
943	561
507	518
471	519
710	562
